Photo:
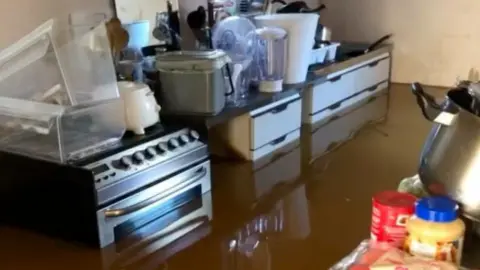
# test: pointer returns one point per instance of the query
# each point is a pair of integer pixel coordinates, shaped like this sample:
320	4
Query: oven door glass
157	218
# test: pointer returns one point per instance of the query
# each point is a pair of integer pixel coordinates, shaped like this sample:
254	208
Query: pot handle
426	102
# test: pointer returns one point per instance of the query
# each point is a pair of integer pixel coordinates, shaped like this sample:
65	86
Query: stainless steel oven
154	243
158	204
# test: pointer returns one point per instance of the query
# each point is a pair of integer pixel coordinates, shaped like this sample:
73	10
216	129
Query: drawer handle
335	106
371	89
332	146
279	140
371	99
374	63
333	118
334	79
113	213
279	108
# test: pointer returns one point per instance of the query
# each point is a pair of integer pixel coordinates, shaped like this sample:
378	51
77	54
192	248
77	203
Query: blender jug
271	58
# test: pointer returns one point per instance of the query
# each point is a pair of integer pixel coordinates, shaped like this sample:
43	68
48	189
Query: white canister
141	108
301	37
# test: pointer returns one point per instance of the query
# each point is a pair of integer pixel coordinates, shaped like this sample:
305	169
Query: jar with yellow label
435	231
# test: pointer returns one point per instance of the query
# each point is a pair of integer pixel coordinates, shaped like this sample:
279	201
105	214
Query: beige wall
435	40
133	10
21	16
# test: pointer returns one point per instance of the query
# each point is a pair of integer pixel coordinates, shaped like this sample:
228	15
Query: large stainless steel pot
450	160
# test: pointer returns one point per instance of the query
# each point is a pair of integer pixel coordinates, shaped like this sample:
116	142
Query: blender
271	58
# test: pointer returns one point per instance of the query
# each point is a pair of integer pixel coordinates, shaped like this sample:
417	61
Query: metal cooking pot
450	160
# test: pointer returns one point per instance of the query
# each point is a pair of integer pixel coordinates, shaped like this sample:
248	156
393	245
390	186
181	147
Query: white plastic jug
301	33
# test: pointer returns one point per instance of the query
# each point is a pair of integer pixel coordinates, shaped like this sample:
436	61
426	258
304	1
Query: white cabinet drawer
342	104
272	123
331	91
329	136
344	84
275	145
371	74
260	132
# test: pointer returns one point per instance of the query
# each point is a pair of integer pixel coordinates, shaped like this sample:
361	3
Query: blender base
270	86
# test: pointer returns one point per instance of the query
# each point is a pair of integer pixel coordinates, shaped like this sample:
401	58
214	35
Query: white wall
435	40
22	16
133	10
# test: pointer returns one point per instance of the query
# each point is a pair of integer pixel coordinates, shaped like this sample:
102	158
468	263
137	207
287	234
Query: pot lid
192	60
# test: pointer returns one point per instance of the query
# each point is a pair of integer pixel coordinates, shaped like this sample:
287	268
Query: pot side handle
430	108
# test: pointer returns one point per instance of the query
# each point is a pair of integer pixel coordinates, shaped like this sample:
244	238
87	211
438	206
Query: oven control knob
125	162
194	135
184	139
150	153
162	148
138	157
173	143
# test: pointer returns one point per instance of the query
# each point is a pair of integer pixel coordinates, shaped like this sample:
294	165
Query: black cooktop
129	140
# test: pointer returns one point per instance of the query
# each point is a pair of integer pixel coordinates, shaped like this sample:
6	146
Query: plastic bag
412	185
378	256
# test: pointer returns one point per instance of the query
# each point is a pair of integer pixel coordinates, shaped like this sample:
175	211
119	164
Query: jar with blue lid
436	231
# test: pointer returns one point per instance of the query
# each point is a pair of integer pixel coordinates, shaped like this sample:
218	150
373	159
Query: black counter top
316	75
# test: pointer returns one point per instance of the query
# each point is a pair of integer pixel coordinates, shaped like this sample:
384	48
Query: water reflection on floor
302	208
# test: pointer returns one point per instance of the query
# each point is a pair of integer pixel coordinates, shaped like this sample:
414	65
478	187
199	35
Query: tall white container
301	33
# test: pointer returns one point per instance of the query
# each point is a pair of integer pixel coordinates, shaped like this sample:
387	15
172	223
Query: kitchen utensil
162	31
167	28
450	159
141	108
174	25
273	5
293	7
257	4
130	70
299	7
117	35
474	91
315	10
196	20
271	58
236	36
139	33
323	36
301	32
152	50
210	14
193	82
370	48
173	18
244	6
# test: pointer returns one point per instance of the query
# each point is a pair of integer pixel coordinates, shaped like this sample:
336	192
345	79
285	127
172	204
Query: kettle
450	159
141	108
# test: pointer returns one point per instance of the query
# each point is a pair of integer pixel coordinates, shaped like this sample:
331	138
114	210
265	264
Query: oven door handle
113	213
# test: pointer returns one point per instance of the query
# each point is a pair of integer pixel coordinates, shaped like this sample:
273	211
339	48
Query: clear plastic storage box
58	94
